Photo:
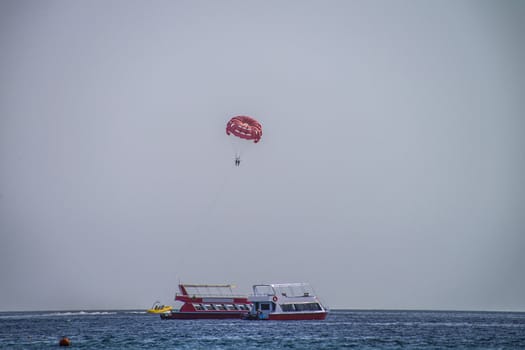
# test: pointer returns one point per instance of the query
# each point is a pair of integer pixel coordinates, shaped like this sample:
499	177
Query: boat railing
208	291
211	295
291	290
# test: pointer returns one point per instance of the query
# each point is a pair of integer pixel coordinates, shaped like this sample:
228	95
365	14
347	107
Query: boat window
300	307
209	307
198	307
230	307
220	307
287	307
265	306
307	307
242	307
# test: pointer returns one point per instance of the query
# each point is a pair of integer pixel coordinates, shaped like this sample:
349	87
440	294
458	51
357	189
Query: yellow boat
158	308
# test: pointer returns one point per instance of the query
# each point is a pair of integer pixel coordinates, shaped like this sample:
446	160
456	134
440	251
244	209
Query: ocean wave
79	313
32	314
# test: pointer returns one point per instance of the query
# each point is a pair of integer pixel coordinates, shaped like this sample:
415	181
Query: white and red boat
208	301
287	301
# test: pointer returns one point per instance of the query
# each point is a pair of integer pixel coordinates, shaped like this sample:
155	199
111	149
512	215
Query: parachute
242	129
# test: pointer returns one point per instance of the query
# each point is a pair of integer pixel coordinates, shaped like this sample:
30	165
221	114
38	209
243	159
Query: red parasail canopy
244	127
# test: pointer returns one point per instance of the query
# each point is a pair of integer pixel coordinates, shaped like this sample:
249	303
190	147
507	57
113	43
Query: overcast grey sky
390	173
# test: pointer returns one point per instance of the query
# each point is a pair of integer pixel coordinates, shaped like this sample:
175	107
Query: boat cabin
287	301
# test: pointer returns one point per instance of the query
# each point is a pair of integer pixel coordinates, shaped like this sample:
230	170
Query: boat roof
207	290
287	289
208	285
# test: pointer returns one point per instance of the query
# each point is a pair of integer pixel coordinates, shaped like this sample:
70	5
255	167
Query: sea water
342	329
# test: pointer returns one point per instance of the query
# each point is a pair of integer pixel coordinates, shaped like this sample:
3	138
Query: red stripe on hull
202	315
298	317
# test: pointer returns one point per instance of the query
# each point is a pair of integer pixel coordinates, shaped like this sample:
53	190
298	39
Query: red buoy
64	342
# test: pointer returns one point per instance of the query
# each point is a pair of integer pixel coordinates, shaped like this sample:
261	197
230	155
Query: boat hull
298	316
